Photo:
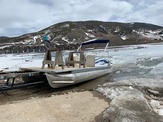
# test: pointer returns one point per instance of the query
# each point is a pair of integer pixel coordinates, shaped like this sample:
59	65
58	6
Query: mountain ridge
66	33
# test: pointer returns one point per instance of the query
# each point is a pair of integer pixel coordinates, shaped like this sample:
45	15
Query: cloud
20	14
23	16
147	11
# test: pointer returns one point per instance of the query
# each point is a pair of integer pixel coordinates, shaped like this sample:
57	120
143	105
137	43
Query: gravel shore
72	107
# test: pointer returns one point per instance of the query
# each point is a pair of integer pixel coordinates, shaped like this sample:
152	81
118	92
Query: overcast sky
18	17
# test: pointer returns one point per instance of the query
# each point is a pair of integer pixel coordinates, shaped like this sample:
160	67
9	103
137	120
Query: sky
18	17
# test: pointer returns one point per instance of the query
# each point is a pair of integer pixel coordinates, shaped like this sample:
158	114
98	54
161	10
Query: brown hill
73	33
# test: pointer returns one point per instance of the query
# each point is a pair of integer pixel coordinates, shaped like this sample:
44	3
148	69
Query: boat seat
72	60
50	64
59	59
47	60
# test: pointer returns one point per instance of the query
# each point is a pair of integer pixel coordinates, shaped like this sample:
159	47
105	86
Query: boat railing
81	61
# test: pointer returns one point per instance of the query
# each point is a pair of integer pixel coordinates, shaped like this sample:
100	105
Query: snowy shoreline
136	93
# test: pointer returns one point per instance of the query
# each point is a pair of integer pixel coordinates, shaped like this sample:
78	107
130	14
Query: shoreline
82	106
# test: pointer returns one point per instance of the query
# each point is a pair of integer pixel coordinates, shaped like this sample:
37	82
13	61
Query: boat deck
60	70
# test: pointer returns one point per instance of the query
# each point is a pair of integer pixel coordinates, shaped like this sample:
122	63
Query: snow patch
65	39
90	35
117	29
151	34
66	26
157	106
123	37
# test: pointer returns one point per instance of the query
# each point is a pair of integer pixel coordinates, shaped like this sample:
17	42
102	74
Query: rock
130	107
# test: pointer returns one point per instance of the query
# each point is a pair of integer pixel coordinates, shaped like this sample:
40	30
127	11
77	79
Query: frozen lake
136	68
136	60
127	61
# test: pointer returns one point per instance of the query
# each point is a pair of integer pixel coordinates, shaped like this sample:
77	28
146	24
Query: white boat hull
67	78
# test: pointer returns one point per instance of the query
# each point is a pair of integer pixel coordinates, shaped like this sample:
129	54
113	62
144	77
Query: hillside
72	33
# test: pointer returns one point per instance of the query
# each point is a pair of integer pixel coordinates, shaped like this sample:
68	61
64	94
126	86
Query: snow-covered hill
68	33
